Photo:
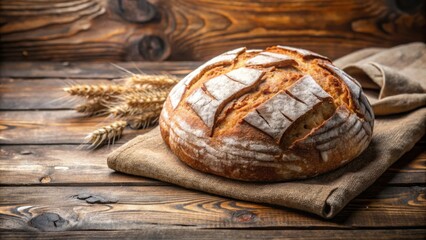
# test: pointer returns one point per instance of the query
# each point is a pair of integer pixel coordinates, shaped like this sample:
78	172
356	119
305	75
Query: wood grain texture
195	234
52	127
65	165
111	30
50	189
40	94
60	209
411	166
26	86
95	70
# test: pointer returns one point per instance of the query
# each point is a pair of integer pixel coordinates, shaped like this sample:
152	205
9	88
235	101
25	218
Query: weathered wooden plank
61	165
243	234
119	208
52	127
74	70
20	94
65	165
177	30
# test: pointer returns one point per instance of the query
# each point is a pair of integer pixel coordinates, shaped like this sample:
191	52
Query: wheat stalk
105	134
137	103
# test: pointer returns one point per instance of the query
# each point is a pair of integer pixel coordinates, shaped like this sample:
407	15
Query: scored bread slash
278	113
267	115
268	59
206	103
305	53
227	58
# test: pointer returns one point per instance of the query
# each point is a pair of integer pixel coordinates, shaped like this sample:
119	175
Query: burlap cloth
395	80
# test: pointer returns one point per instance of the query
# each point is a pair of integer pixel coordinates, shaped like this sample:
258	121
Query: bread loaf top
267	115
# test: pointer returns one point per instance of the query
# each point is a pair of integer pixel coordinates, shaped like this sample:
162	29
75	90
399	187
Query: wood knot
92	199
48	222
46	179
139	11
243	216
152	48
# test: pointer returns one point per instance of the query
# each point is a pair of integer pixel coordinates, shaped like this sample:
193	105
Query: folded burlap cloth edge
394	80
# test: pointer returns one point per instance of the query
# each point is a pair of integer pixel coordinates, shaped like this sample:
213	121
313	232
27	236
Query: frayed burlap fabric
395	82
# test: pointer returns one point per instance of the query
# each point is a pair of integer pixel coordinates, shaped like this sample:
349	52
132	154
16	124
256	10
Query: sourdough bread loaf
267	115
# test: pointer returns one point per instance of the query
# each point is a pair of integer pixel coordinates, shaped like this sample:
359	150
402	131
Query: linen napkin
395	82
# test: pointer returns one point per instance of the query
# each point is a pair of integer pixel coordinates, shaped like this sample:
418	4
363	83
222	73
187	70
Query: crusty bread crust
273	115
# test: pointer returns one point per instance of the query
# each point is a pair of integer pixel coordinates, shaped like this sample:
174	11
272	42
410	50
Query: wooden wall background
155	30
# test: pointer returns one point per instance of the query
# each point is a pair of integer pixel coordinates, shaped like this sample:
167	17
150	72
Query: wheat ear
91	91
125	110
146	98
91	107
106	134
144	120
161	81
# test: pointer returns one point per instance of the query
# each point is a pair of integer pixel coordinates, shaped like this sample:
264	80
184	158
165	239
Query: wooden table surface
45	178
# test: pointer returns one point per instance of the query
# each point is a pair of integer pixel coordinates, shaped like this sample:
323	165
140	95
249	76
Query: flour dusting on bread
277	114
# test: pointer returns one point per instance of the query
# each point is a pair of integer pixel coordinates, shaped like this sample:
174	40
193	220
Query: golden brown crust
272	115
